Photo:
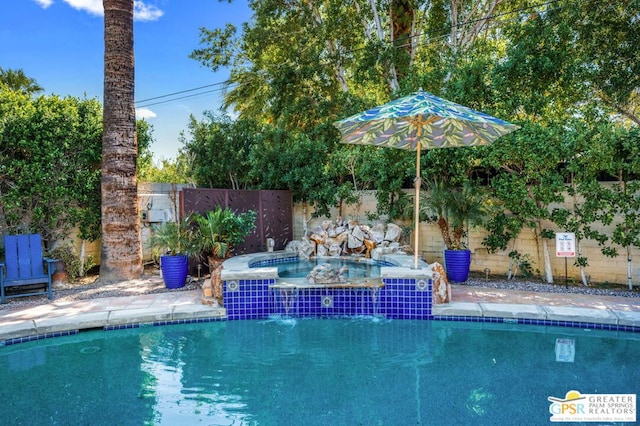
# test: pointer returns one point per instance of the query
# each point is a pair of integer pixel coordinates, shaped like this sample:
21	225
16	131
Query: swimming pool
310	371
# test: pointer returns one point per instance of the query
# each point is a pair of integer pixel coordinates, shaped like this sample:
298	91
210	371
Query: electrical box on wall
155	216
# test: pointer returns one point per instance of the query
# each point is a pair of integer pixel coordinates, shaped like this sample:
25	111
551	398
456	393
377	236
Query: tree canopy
566	71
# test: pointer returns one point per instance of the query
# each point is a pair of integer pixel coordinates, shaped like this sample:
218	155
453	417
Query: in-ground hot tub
356	268
253	289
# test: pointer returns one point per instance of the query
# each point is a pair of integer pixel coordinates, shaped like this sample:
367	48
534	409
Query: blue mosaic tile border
271	262
247	299
26	339
399	298
161	323
324	302
527	321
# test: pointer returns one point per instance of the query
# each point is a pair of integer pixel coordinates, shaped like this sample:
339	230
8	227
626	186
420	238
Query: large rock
378	252
370	245
441	286
335	250
356	238
377	233
343	237
394	232
322	250
326	274
303	248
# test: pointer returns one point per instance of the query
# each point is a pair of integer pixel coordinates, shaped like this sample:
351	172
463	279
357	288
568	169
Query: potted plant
175	242
69	267
454	210
219	230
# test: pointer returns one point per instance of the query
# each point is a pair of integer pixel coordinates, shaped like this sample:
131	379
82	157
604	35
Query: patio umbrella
422	121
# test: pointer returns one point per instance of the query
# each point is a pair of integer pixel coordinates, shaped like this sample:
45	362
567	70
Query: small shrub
68	256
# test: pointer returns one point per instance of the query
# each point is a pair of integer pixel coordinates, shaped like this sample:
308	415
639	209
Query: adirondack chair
24	265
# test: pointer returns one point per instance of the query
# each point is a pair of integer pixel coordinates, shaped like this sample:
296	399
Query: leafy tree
607	35
291	160
50	168
525	181
144	134
566	71
619	202
219	150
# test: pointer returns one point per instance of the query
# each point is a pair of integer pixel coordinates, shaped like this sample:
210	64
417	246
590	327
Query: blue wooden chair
24	265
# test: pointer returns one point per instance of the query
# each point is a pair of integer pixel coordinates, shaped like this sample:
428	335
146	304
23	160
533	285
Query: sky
60	44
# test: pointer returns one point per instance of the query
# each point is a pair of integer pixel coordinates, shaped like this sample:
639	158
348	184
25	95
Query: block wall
600	269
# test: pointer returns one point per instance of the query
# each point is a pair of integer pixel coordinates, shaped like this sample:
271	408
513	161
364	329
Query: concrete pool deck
63	316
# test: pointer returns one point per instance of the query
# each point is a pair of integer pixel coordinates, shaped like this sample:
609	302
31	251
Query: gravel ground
151	282
537	286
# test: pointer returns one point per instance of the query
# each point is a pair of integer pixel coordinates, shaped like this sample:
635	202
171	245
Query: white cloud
44	3
92	6
141	10
145	12
144	113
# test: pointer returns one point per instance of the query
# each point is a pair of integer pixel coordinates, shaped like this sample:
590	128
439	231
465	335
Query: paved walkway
518	304
60	316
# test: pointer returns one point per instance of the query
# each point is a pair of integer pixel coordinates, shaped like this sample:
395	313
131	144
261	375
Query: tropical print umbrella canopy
424	120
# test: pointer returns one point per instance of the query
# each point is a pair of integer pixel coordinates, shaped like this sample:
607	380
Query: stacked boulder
349	237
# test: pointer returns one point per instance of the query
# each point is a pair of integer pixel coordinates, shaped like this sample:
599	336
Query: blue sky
60	44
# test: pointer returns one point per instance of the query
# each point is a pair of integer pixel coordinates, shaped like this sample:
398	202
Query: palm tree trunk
121	256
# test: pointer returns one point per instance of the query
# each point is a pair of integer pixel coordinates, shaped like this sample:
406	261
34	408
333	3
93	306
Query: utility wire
144	103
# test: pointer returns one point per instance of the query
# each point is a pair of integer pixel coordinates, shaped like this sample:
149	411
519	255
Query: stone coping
239	267
41	322
566	314
105	319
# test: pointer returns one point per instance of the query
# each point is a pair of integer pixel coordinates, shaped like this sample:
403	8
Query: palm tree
18	80
121	257
454	210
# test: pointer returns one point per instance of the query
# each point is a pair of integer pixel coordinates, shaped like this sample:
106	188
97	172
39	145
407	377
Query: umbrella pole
416	213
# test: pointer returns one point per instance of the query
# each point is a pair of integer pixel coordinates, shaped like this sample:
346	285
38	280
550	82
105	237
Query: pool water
363	371
358	268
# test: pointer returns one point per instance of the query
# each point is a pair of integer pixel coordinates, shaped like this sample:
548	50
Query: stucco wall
157	203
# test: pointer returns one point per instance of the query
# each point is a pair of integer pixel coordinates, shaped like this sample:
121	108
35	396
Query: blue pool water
358	268
310	372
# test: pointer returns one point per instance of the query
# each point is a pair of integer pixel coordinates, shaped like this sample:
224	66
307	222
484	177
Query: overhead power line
172	96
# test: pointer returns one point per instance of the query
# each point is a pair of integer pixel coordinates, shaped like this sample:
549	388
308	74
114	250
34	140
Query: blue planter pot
174	270
457	263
